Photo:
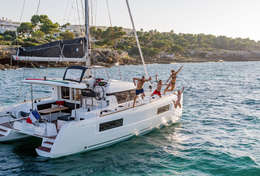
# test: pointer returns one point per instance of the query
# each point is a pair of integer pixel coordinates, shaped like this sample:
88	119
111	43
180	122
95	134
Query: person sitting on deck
178	101
170	87
158	89
139	88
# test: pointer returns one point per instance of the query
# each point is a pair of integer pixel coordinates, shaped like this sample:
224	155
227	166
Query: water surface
219	132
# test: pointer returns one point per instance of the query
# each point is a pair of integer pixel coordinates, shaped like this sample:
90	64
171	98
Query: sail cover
62	50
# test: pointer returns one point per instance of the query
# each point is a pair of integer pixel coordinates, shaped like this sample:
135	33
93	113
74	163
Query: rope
110	21
70	10
91	11
136	37
83	14
65	12
20	20
96	8
74	9
21	16
37	11
109	14
77	6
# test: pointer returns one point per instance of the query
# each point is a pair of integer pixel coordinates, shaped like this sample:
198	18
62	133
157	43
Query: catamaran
86	112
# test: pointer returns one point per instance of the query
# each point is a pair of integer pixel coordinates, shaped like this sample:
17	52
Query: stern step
2	130
48	142
45	149
7	125
51	137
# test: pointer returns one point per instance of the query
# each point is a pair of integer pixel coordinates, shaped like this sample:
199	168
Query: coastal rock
2	67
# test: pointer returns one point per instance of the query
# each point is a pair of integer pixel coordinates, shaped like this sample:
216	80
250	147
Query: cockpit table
52	110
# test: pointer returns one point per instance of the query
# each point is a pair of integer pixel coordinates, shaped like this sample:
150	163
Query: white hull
85	135
12	136
73	128
6	133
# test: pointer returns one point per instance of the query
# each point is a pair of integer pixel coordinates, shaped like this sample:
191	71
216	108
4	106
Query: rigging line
95	12
20	20
66	12
78	13
109	14
83	15
74	9
71	9
137	39
91	12
39	2
21	16
110	21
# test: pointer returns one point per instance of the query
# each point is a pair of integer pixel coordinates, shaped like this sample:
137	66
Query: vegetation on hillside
42	30
39	31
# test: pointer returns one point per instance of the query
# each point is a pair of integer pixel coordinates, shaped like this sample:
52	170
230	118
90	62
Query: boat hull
88	135
6	133
12	136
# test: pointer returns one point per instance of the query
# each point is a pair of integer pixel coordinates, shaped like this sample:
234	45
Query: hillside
120	46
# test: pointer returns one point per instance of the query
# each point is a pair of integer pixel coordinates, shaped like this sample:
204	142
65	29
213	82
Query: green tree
67	35
65	25
177	49
25	28
49	28
35	20
44	23
11	33
38	34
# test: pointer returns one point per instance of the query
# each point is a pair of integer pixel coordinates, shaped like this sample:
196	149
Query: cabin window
126	96
76	94
163	109
110	125
65	93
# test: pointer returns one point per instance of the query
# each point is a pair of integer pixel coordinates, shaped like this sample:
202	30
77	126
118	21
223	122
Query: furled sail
57	51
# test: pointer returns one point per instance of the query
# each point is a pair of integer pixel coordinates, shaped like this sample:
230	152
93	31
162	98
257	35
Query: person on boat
158	89
171	85
139	87
178	101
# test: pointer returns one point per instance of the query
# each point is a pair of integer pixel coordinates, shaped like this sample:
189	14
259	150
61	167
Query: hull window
110	125
163	109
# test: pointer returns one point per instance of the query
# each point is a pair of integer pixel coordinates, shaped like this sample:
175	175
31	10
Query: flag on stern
34	116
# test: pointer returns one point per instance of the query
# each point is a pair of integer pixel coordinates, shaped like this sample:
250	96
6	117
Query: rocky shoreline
109	57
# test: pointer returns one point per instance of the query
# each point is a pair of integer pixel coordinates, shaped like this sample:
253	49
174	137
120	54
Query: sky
232	18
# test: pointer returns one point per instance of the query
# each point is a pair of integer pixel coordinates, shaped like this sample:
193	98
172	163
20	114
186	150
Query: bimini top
113	85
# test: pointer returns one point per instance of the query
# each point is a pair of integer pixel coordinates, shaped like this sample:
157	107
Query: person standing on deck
178	101
139	88
158	89
170	87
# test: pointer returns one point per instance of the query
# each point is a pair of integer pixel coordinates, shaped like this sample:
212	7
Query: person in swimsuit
178	101
171	85
139	88
158	89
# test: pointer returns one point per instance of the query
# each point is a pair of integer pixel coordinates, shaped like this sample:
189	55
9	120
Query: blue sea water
218	134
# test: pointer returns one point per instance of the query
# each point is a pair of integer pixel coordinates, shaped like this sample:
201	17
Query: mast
88	62
136	38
